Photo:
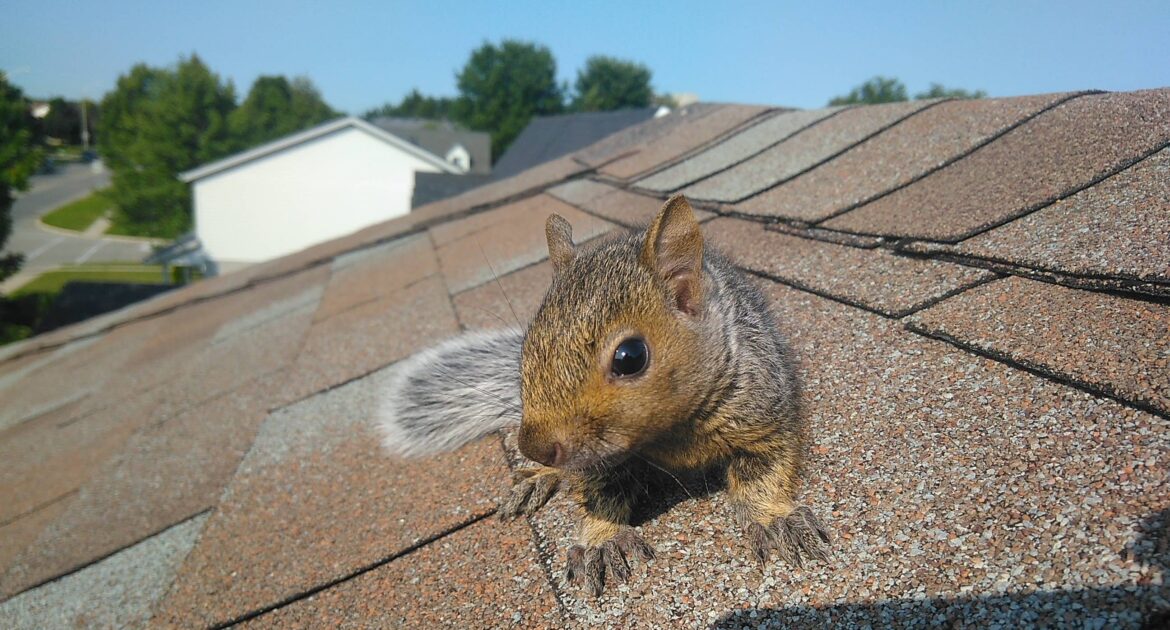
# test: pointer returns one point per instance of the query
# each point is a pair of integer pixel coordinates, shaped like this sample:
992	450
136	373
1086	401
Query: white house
306	188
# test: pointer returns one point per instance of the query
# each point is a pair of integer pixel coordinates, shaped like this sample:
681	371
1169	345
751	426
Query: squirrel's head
614	357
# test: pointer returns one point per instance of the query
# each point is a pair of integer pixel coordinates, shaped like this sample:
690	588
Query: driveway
45	249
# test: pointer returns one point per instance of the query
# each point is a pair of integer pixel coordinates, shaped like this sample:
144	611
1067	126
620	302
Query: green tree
415	105
155	125
876	90
19	158
938	91
276	107
502	87
607	83
63	122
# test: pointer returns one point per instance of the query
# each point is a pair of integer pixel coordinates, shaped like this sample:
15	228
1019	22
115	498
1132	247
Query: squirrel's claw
533	488
795	537
591	565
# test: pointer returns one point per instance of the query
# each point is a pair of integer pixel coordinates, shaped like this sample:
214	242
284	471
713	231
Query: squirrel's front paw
533	488
590	565
795	537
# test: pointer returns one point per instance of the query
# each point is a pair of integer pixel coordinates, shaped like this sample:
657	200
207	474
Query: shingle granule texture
958	490
1110	343
895	157
504	239
621	206
1049	157
636	137
166	474
735	149
510	303
698	134
1116	229
117	592
801	151
875	279
369	336
317	499
485	576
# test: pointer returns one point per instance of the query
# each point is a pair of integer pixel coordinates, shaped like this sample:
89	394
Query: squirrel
649	348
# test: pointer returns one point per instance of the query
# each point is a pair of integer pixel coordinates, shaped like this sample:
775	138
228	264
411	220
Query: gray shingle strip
1117	229
616	145
898	156
118	592
1064	150
738	148
687	138
1104	343
803	151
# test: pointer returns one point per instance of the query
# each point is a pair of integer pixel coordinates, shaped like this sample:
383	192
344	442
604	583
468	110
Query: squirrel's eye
630	358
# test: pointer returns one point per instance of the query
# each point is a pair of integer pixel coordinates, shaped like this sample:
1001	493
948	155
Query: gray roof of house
549	137
439	137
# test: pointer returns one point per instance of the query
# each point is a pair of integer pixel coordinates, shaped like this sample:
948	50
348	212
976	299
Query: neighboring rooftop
545	138
978	292
441	137
549	137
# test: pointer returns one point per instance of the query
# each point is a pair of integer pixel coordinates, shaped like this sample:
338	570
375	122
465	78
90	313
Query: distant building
545	138
317	185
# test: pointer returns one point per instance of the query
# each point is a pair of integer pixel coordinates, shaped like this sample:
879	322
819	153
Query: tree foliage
502	87
608	83
415	105
889	90
938	91
156	124
19	158
276	107
876	90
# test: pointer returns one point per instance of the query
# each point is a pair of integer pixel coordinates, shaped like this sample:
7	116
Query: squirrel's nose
549	452
553	454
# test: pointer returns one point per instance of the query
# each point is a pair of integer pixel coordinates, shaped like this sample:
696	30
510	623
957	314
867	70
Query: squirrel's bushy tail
449	395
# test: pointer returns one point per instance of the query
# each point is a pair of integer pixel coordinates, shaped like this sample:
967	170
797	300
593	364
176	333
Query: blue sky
361	54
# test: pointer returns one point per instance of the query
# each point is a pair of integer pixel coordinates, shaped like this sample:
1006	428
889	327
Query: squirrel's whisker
496	277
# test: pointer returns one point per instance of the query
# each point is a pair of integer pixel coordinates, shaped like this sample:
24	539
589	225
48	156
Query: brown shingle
690	135
51	455
802	151
504	239
1049	157
485	576
166	473
633	138
510	303
317	499
17	535
1116	229
896	156
735	149
618	205
367	337
369	274
876	279
1110	343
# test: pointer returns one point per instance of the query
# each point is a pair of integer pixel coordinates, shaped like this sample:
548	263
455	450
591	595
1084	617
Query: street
43	248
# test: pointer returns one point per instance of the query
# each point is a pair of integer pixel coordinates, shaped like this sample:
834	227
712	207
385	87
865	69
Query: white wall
287	201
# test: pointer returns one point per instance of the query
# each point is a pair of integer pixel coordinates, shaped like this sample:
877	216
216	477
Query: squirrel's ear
674	250
560	241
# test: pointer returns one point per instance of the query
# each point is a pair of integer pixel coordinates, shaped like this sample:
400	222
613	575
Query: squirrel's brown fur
719	389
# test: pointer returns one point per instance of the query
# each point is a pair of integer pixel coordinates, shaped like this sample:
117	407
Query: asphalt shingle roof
976	291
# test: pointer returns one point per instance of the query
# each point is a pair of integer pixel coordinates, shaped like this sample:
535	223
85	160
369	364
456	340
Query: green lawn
52	281
80	214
